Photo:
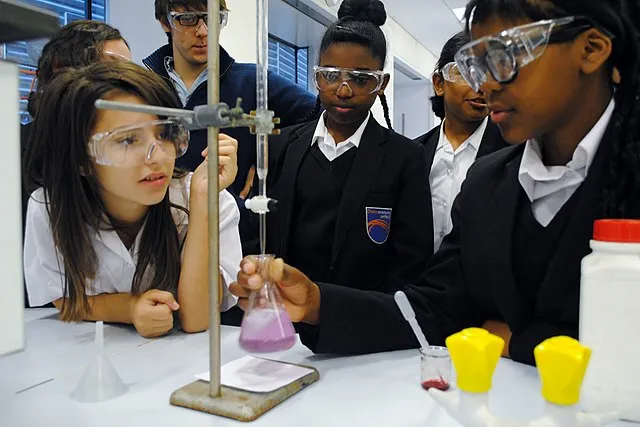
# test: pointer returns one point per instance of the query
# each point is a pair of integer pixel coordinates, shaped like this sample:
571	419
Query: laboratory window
289	61
26	54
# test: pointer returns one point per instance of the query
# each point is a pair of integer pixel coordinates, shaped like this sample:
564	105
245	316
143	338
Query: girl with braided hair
353	195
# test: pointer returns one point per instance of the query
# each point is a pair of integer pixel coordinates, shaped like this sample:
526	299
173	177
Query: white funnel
100	380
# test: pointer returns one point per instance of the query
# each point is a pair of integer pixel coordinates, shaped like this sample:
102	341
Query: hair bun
363	10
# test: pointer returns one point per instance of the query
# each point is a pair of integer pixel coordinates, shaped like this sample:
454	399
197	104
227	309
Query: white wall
135	20
413	101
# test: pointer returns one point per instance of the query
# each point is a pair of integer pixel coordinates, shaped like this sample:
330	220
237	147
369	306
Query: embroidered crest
378	224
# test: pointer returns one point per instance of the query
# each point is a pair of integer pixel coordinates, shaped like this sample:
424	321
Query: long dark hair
619	17
446	56
58	161
77	44
359	22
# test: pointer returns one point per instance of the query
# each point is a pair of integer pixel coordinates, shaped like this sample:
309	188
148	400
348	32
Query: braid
313	114
623	182
385	107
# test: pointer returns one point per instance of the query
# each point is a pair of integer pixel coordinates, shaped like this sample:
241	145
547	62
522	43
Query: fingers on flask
266	326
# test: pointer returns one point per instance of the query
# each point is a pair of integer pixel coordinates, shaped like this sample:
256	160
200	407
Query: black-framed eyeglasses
179	20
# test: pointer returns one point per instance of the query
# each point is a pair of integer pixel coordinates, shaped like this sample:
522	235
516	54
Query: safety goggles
156	141
185	20
451	73
503	54
360	82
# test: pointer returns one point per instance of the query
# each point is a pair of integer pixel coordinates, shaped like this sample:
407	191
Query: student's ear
438	84
385	83
84	172
165	25
595	50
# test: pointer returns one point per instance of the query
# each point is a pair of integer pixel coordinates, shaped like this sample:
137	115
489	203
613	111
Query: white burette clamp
261	204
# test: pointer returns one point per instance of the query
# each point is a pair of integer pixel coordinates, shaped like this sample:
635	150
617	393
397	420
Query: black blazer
389	171
491	141
470	279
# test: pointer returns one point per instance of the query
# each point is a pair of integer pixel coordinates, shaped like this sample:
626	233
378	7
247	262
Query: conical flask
266	326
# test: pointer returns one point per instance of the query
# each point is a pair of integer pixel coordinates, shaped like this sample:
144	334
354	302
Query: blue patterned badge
378	224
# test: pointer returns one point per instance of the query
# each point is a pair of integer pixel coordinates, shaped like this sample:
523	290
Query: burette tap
263	125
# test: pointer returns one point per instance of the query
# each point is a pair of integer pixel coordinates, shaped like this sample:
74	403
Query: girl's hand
228	168
228	161
301	297
152	313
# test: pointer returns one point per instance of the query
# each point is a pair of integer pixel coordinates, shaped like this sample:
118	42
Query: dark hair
163	7
446	56
359	22
77	44
66	173
619	17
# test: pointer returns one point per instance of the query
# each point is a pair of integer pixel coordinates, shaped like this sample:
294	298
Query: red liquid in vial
437	383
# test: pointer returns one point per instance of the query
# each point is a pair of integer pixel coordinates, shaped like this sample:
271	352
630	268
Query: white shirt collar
532	169
474	140
322	132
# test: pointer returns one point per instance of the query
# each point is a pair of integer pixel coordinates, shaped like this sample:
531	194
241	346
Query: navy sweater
290	102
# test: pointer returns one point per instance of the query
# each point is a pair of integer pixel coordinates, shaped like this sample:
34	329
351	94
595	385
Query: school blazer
389	171
470	279
491	141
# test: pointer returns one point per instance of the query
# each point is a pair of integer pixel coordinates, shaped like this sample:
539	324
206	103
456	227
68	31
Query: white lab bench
371	390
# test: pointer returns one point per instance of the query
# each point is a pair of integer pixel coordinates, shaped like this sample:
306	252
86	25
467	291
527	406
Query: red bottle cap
617	230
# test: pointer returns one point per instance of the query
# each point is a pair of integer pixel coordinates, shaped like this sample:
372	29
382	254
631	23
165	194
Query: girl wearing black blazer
353	196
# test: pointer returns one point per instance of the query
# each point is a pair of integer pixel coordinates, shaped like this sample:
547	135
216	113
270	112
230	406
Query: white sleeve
43	265
230	247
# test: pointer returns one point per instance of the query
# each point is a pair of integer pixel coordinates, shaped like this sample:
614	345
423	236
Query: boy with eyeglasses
183	61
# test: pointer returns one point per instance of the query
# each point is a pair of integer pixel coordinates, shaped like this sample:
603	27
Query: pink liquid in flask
267	330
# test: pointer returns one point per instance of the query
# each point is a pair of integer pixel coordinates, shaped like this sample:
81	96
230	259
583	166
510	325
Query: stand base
234	403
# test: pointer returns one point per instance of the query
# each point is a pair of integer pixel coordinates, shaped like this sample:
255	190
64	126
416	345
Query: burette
261	204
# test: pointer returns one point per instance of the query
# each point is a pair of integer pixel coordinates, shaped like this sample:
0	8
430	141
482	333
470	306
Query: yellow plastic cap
562	363
475	354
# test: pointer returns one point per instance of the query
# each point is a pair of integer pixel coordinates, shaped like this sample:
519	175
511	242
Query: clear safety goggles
156	141
360	82
451	73
185	20
503	54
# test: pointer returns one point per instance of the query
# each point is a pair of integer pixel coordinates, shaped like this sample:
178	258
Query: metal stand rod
213	95
211	397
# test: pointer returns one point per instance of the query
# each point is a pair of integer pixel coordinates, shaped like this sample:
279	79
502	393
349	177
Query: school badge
378	224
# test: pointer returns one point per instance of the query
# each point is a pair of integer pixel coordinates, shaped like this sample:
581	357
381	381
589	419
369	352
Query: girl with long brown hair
106	233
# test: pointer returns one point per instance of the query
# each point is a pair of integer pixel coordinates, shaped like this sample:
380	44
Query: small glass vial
435	368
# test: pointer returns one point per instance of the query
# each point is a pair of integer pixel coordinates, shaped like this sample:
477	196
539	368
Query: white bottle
610	319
